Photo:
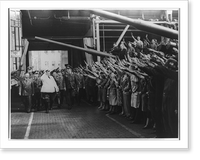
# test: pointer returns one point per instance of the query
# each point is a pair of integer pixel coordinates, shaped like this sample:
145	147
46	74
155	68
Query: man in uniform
139	44
57	79
71	86
26	90
80	86
37	94
61	86
30	72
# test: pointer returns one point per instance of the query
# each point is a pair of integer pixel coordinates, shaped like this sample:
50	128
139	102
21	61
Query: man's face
138	38
36	75
62	72
69	70
54	74
48	73
26	76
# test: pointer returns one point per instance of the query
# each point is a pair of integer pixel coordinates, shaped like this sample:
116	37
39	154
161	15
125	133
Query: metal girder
91	51
139	24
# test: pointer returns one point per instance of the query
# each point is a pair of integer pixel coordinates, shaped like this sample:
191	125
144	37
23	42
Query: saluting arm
167	72
133	37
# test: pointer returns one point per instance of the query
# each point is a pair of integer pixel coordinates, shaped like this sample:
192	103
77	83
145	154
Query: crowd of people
141	84
44	89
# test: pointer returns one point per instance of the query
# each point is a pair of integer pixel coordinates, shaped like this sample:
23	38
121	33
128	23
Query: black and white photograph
86	74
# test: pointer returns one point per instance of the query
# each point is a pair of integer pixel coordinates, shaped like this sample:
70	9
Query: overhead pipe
139	24
91	51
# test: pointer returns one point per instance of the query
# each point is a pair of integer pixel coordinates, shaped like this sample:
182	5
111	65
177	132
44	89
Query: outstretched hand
131	34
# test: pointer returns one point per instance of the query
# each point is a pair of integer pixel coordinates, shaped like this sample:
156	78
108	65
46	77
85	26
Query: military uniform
26	91
80	86
170	102
37	94
71	89
62	87
159	86
103	91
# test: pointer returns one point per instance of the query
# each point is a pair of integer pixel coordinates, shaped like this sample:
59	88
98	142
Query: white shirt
48	84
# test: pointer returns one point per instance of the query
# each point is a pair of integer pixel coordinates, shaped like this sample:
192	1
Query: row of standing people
43	89
150	100
126	94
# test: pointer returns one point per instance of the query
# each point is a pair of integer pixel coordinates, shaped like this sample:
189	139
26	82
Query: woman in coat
126	94
112	94
135	96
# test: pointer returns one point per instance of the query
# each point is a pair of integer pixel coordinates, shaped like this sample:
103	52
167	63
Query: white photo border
183	143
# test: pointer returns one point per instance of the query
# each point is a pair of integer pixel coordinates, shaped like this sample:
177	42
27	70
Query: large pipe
139	24
91	51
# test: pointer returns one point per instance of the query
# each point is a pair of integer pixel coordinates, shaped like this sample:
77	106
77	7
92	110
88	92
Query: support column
98	39
93	31
23	58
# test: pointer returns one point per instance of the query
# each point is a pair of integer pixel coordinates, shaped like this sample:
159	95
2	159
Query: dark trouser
151	105
56	98
87	91
127	103
48	100
92	94
27	102
159	121
37	100
62	95
100	96
69	98
104	97
80	95
95	94
170	119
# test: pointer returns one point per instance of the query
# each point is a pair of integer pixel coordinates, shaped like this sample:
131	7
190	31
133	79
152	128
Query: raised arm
147	39
167	72
133	37
149	70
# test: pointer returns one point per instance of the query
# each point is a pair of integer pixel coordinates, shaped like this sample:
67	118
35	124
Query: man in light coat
49	88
